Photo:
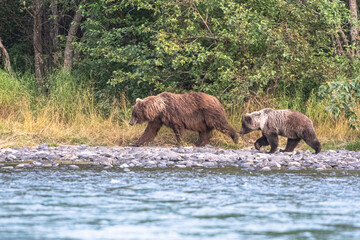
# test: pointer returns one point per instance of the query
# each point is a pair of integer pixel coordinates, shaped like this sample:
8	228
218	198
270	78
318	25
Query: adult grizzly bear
194	111
287	123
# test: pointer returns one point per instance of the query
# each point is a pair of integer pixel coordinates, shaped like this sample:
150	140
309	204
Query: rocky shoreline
128	158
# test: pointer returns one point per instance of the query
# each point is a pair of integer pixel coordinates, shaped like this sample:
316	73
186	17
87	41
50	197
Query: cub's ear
247	118
139	100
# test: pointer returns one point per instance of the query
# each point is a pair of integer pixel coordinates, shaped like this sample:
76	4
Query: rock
7	167
247	164
36	164
274	165
265	169
279	158
180	166
43	145
71	157
209	164
294	168
294	164
11	157
73	167
298	156
181	157
124	165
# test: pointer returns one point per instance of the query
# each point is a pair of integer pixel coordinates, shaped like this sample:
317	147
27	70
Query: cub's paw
257	145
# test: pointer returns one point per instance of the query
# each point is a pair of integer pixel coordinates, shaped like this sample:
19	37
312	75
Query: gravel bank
128	158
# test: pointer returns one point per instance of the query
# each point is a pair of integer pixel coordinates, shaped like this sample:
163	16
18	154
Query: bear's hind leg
273	140
291	144
225	128
149	133
204	138
261	142
313	142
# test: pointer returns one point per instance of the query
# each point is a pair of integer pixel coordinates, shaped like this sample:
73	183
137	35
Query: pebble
180	166
73	167
152	157
36	164
7	167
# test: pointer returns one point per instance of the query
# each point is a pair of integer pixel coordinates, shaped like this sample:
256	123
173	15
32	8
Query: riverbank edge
131	158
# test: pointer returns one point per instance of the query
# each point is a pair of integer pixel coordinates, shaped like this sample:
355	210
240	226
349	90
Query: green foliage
343	96
229	49
234	50
353	146
67	94
13	95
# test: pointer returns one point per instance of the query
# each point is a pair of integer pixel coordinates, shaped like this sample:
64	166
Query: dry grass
29	129
69	115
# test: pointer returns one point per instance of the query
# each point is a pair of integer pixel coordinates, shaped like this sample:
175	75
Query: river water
178	204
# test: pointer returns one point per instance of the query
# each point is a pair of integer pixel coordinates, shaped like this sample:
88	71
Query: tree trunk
37	43
69	52
54	32
353	29
6	57
346	44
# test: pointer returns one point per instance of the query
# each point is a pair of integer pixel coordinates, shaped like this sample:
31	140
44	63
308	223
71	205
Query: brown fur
287	123
193	111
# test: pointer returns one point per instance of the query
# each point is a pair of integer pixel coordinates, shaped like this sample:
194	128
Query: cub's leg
261	142
291	144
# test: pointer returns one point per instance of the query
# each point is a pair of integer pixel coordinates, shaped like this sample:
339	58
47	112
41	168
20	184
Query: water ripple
169	204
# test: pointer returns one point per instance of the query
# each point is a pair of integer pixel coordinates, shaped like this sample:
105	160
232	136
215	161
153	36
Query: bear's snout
244	131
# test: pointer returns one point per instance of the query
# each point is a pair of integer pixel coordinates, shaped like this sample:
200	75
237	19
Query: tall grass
69	114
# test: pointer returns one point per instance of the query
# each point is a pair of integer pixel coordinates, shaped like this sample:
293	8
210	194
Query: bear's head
147	110
250	122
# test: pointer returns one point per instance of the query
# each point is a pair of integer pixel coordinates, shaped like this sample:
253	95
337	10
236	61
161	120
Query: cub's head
250	122
147	110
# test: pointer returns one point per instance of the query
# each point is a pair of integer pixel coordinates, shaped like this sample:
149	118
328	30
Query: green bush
343	97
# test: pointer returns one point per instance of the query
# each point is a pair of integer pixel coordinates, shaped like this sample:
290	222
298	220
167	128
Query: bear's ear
247	118
138	100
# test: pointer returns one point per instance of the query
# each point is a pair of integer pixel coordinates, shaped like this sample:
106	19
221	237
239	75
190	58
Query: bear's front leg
261	142
273	140
149	133
179	133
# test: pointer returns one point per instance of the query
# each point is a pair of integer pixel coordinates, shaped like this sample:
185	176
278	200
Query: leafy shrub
343	97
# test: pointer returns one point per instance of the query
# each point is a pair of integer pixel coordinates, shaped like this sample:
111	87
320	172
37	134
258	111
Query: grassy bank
69	114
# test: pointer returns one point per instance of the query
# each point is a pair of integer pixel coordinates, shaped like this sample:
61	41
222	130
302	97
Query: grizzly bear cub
287	123
194	111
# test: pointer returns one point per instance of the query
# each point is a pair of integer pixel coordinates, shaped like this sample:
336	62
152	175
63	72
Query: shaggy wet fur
193	111
287	123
